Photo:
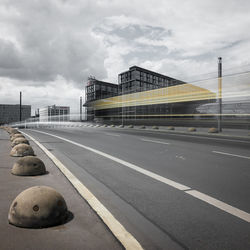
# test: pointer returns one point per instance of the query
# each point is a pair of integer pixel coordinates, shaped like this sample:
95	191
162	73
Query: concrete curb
122	235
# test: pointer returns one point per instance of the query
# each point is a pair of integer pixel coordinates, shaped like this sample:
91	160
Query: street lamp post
219	93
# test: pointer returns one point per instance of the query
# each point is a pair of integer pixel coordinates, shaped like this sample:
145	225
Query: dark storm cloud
50	40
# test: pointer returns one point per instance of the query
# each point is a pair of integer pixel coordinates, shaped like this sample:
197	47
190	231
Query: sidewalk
84	231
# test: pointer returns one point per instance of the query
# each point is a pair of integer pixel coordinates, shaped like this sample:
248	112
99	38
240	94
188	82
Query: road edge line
120	233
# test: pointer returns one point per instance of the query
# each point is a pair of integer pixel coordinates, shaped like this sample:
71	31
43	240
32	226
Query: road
171	191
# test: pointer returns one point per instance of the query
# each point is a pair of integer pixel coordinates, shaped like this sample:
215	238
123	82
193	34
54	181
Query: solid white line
223	153
160	142
126	239
221	205
159	178
125	163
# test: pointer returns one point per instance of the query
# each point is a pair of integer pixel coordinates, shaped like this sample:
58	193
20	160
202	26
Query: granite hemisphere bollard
170	128
13	137
38	207
191	129
21	150
19	140
28	166
213	130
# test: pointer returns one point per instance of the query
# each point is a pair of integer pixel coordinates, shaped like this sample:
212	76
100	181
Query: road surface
170	191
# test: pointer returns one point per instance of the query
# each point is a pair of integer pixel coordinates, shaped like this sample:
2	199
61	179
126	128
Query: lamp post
80	109
219	93
20	107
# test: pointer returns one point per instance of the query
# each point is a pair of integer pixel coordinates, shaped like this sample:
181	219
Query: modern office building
96	89
145	96
11	113
137	79
54	113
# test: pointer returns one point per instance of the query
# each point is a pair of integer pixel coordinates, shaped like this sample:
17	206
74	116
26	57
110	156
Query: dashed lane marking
224	153
160	142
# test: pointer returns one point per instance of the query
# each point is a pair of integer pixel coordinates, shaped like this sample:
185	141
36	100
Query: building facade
145	96
54	113
11	113
96	90
138	79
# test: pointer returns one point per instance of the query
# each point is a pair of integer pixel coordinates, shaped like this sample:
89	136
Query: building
96	89
137	79
11	113
146	97
54	113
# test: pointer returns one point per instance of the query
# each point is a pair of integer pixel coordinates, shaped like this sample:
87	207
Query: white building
54	113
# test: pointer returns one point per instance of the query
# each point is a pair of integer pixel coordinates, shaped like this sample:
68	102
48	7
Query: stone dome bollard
19	140
21	150
28	166
191	129
12	131
170	128
38	207
13	137
213	130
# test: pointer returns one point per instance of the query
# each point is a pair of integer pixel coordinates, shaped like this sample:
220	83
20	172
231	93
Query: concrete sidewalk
84	230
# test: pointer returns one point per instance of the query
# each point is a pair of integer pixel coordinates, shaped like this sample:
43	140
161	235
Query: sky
49	48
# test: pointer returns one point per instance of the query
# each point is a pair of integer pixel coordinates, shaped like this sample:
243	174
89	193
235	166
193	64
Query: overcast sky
48	48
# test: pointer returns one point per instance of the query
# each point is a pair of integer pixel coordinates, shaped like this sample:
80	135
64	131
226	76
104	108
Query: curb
117	229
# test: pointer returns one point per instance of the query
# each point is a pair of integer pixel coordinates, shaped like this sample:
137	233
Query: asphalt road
162	214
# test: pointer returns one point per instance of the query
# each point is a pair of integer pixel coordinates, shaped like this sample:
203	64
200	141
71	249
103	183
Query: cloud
51	38
54	45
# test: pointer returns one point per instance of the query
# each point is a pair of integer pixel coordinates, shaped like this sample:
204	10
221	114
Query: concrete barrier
21	150
155	127
130	126
19	140
28	166
213	130
38	207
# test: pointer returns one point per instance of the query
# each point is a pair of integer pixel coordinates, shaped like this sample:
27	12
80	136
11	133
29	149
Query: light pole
219	93
20	107
80	109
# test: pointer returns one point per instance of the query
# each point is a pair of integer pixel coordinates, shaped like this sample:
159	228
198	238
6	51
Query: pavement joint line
220	204
160	142
210	200
117	229
224	153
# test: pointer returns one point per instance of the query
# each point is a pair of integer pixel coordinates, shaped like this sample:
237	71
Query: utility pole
80	108
219	93
20	107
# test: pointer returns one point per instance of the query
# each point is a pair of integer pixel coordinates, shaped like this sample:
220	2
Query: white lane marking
125	163
126	239
112	134
156	177
221	205
194	136
224	153
160	142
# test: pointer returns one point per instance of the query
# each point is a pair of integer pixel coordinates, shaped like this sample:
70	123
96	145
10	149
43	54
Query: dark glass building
137	79
96	89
